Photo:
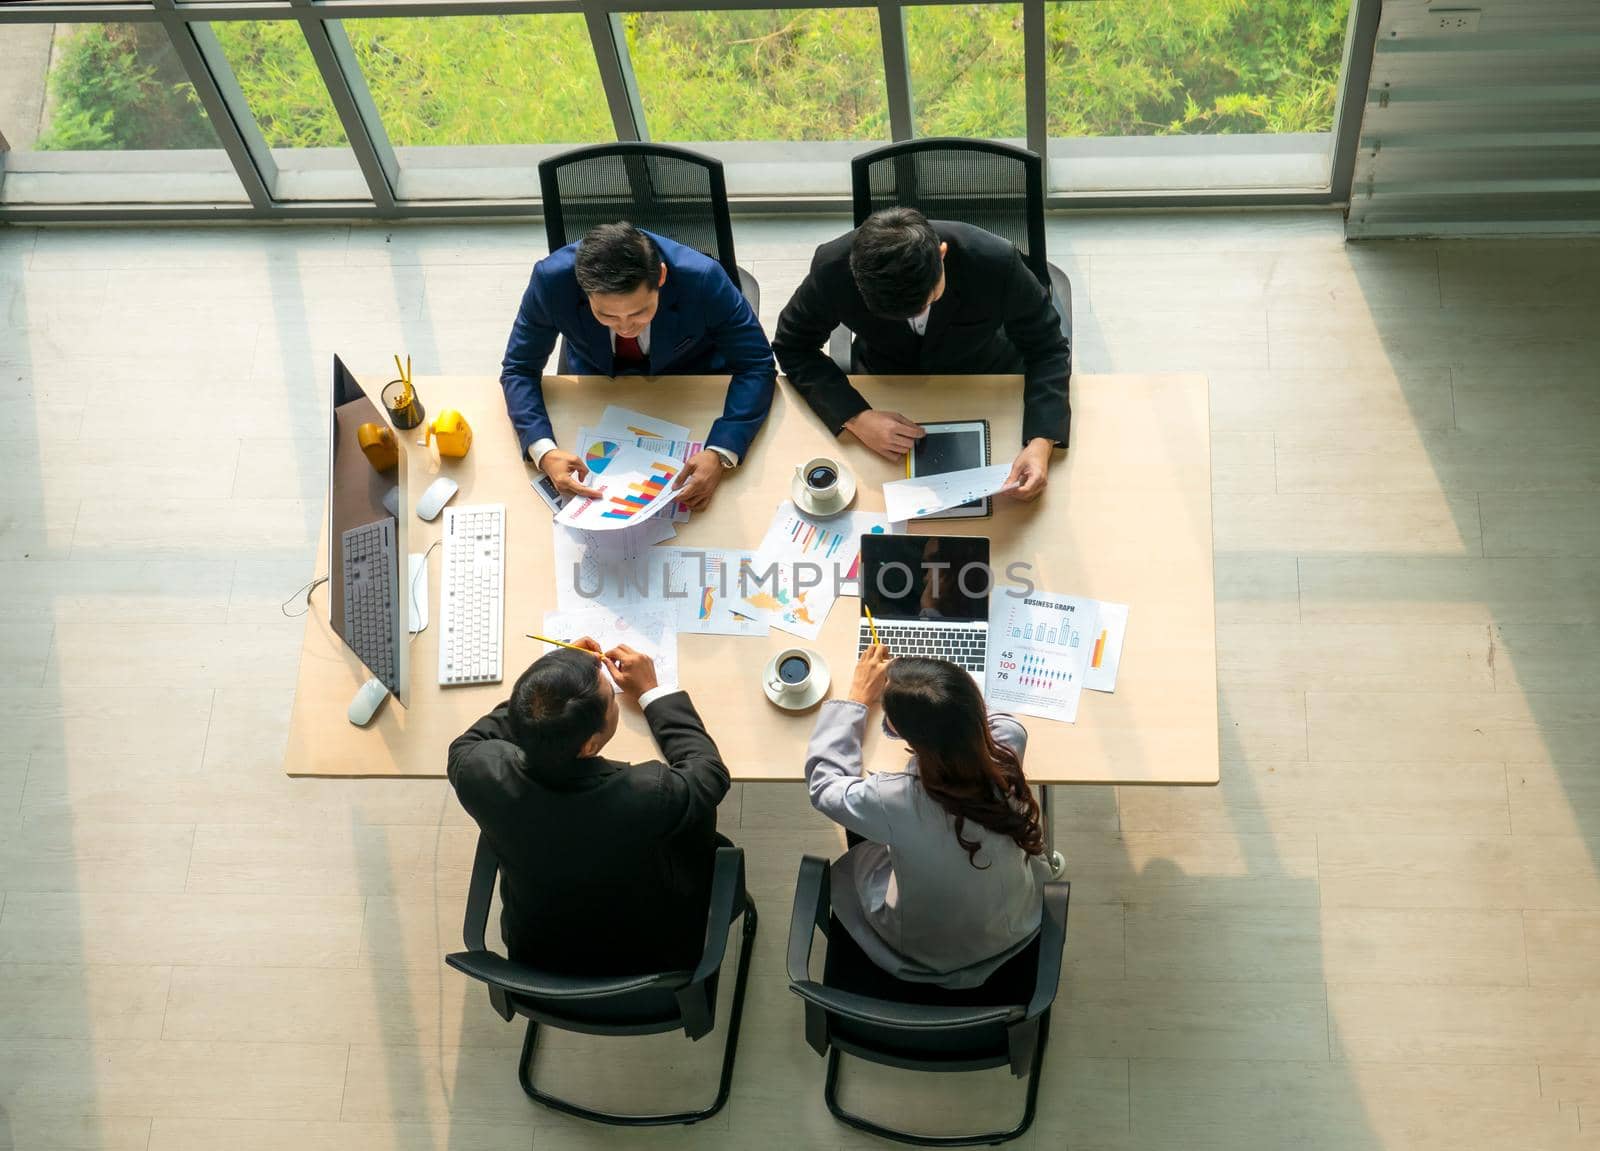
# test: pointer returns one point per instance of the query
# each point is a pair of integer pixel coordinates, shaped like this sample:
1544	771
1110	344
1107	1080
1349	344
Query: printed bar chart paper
635	485
1105	656
1039	647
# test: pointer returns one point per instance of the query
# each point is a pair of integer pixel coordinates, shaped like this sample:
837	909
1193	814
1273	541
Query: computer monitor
367	558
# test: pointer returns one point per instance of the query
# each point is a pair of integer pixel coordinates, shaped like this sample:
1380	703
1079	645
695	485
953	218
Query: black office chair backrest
996	187
673	192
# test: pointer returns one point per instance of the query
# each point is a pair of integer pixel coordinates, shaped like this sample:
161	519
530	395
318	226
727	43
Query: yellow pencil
405	381
561	643
871	624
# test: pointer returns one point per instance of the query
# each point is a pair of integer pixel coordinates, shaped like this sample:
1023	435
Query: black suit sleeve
695	779
804	326
492	726
1034	328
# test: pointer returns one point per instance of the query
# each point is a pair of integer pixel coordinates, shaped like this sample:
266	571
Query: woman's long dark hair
937	708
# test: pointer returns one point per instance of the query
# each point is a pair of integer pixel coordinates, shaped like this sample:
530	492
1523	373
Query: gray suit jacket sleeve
833	772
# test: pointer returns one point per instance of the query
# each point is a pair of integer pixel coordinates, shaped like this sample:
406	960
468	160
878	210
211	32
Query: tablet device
952	446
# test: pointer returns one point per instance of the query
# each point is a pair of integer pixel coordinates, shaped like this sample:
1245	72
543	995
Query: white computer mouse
369	697
433	500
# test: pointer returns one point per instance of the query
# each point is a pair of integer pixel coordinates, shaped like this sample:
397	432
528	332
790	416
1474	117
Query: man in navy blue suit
629	301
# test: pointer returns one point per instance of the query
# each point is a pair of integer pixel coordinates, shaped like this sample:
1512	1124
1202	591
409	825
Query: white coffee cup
792	673
820	475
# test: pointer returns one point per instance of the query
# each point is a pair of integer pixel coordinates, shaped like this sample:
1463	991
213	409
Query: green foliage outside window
120	86
1114	68
802	74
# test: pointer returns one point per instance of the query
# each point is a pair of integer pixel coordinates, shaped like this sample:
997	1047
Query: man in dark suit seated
631	302
605	867
928	298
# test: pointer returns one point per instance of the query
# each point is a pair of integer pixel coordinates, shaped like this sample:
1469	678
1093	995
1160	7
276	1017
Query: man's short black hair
614	259
557	704
896	262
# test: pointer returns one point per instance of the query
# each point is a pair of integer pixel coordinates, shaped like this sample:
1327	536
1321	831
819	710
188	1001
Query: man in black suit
605	867
928	297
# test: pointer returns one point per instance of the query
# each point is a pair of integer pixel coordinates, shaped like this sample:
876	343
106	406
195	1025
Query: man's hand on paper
701	474
888	433
1030	471
568	473
633	671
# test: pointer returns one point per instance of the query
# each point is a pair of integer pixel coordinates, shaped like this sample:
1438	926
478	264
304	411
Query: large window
748	86
105	112
389	106
292	110
967	74
1127	82
462	98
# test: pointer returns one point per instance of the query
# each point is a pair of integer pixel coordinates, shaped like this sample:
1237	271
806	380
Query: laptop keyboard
963	647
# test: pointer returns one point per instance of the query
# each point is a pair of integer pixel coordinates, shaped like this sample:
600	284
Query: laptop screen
930	578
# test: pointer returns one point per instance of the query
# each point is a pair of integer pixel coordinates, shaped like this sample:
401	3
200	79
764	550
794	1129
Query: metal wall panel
1481	131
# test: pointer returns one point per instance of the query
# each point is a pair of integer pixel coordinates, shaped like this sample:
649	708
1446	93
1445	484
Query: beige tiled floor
1378	933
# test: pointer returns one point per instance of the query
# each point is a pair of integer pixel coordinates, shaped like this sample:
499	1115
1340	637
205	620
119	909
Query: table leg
1058	863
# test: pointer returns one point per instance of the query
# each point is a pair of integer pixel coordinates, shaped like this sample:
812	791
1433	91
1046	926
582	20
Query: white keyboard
471	600
370	569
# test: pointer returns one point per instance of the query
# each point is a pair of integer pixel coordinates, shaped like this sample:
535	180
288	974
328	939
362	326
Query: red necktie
627	355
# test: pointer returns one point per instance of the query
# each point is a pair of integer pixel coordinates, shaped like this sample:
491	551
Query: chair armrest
499	972
1052	942
839	348
727	900
812	908
749	288
480	893
1061	298
905	1016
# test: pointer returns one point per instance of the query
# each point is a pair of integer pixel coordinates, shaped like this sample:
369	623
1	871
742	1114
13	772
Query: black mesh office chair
863	1011
648	1004
997	187
673	192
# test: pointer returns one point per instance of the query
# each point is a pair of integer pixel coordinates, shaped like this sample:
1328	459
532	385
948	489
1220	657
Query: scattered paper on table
1038	649
1105	652
703	585
646	629
605	568
636	485
596	445
860	524
620	419
924	495
798	570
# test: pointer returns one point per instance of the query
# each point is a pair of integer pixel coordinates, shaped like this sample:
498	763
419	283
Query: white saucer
814	693
845	496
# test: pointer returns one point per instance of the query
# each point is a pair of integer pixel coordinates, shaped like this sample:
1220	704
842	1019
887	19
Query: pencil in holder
403	404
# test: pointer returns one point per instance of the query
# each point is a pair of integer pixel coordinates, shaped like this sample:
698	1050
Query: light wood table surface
1127	517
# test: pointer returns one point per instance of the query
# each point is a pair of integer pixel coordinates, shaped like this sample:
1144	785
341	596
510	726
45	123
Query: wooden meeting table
1126	517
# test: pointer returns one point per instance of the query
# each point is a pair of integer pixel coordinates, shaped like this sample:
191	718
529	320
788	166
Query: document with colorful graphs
1039	647
1105	651
594	444
799	568
636	484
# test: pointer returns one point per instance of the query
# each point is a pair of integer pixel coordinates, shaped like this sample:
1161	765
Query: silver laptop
929	596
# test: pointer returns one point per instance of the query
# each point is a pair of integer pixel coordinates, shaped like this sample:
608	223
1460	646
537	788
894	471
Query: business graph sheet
635	485
597	447
801	567
703	585
1039	648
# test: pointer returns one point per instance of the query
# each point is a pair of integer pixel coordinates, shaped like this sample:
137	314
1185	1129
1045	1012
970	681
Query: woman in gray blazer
947	880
